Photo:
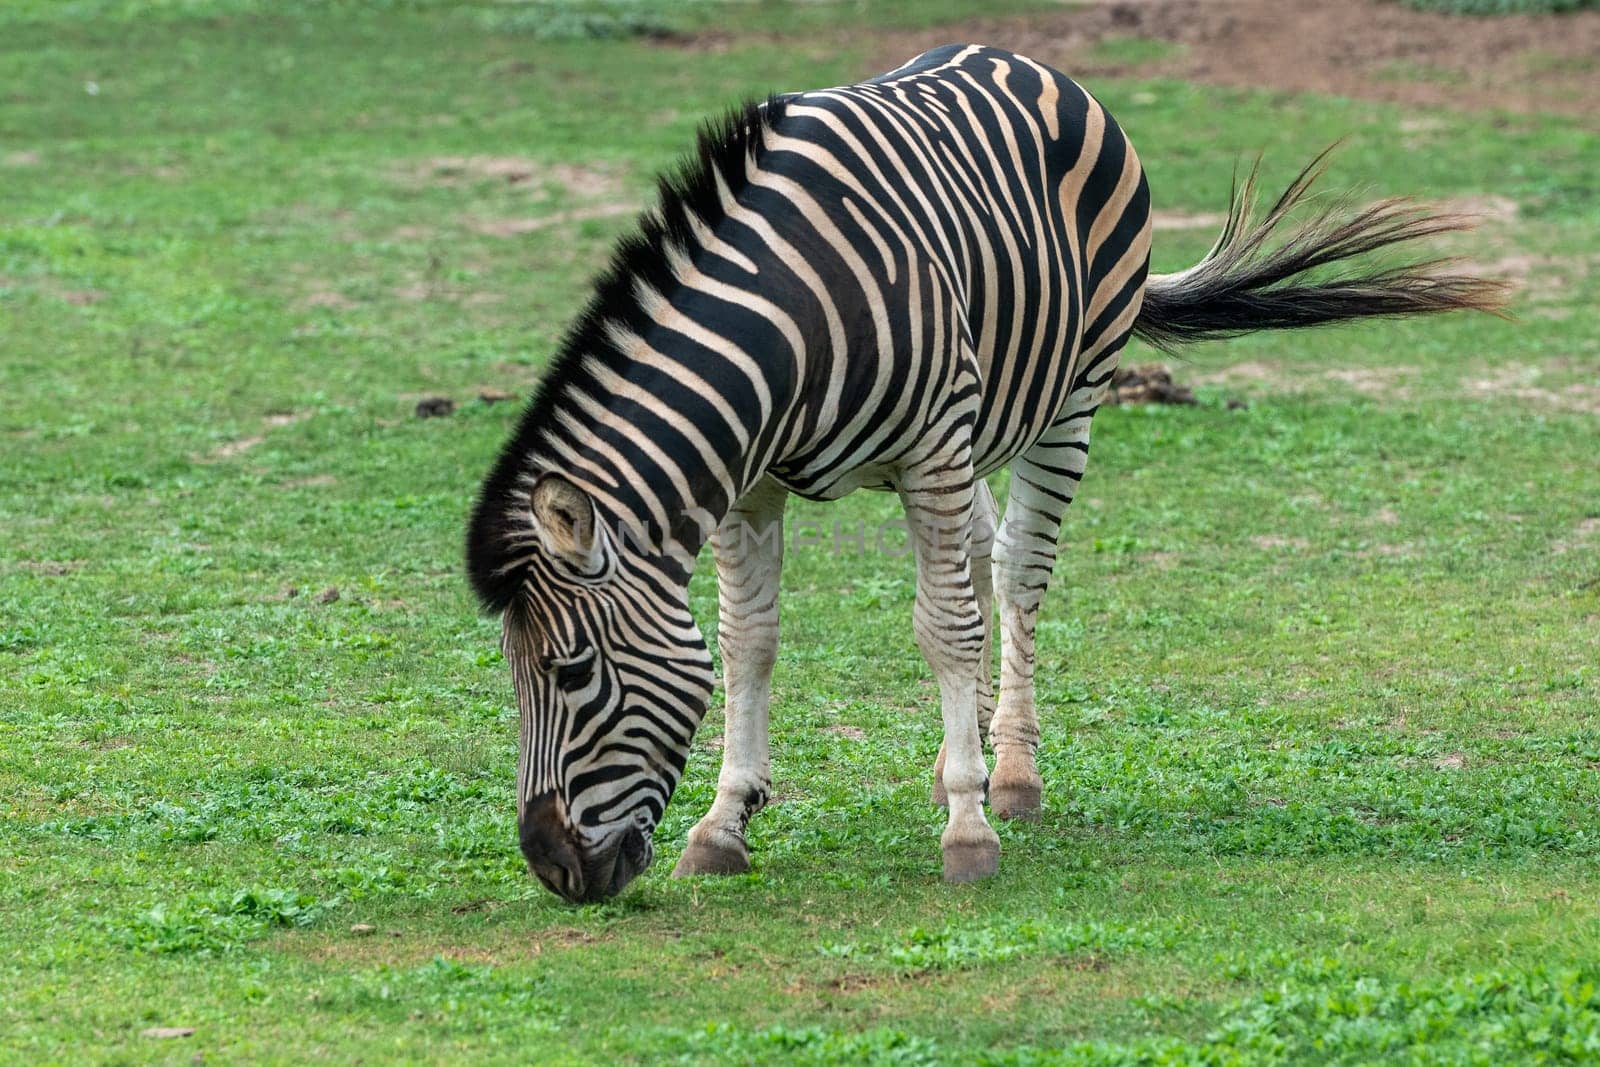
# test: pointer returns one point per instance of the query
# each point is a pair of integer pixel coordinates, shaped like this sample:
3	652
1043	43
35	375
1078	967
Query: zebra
903	284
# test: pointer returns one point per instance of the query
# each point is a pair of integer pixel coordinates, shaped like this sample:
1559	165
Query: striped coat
904	284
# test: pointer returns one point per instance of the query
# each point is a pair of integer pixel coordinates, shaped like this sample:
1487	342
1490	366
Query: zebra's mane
688	196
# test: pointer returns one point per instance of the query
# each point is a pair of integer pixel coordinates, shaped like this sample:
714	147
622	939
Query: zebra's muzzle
556	857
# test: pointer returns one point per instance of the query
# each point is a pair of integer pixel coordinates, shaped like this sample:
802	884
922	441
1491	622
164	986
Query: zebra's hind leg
1043	482
749	551
950	633
985	522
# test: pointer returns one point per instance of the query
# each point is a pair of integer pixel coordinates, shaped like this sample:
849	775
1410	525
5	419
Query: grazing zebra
905	284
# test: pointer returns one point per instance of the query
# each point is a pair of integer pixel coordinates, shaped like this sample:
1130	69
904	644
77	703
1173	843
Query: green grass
1133	51
1318	675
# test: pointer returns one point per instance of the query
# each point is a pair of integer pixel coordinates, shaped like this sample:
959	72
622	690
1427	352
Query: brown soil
240	445
1369	49
599	188
237	447
1524	382
1373	381
1271	542
52	568
1272	375
517	227
1583	534
52	287
328	298
577	178
1186	220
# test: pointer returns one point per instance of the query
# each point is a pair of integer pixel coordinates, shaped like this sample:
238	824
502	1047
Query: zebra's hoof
970	862
711	859
1016	800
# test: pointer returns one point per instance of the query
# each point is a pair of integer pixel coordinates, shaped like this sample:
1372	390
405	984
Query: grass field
1318	675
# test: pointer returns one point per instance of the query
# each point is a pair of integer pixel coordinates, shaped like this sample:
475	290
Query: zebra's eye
574	674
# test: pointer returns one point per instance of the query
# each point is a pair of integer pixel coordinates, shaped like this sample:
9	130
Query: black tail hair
1242	285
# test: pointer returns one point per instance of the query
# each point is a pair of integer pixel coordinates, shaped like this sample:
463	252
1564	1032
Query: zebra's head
612	677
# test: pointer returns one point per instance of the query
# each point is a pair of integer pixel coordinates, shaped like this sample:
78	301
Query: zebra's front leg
1043	482
950	632
985	522
749	552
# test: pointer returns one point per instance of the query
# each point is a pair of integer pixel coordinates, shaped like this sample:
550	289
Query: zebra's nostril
551	880
549	848
633	853
636	849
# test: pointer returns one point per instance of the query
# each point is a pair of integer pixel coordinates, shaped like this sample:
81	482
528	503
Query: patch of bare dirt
1487	210
240	445
518	227
1273	542
237	447
52	287
599	189
1540	278
856	982
586	180
564	937
1583	535
854	733
1373	381
328	298
1524	382
415	291
1249	372
396	948
1186	220
1369	49
50	568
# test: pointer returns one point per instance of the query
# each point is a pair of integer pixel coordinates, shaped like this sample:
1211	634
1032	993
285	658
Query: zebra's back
972	207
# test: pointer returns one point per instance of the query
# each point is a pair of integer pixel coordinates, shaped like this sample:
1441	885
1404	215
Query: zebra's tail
1242	285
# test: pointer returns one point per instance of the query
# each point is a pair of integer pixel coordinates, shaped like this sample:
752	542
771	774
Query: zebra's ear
565	517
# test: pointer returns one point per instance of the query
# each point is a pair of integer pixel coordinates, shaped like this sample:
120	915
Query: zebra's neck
678	385
680	414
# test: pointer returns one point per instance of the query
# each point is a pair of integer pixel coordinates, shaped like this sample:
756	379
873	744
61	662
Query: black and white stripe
902	284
